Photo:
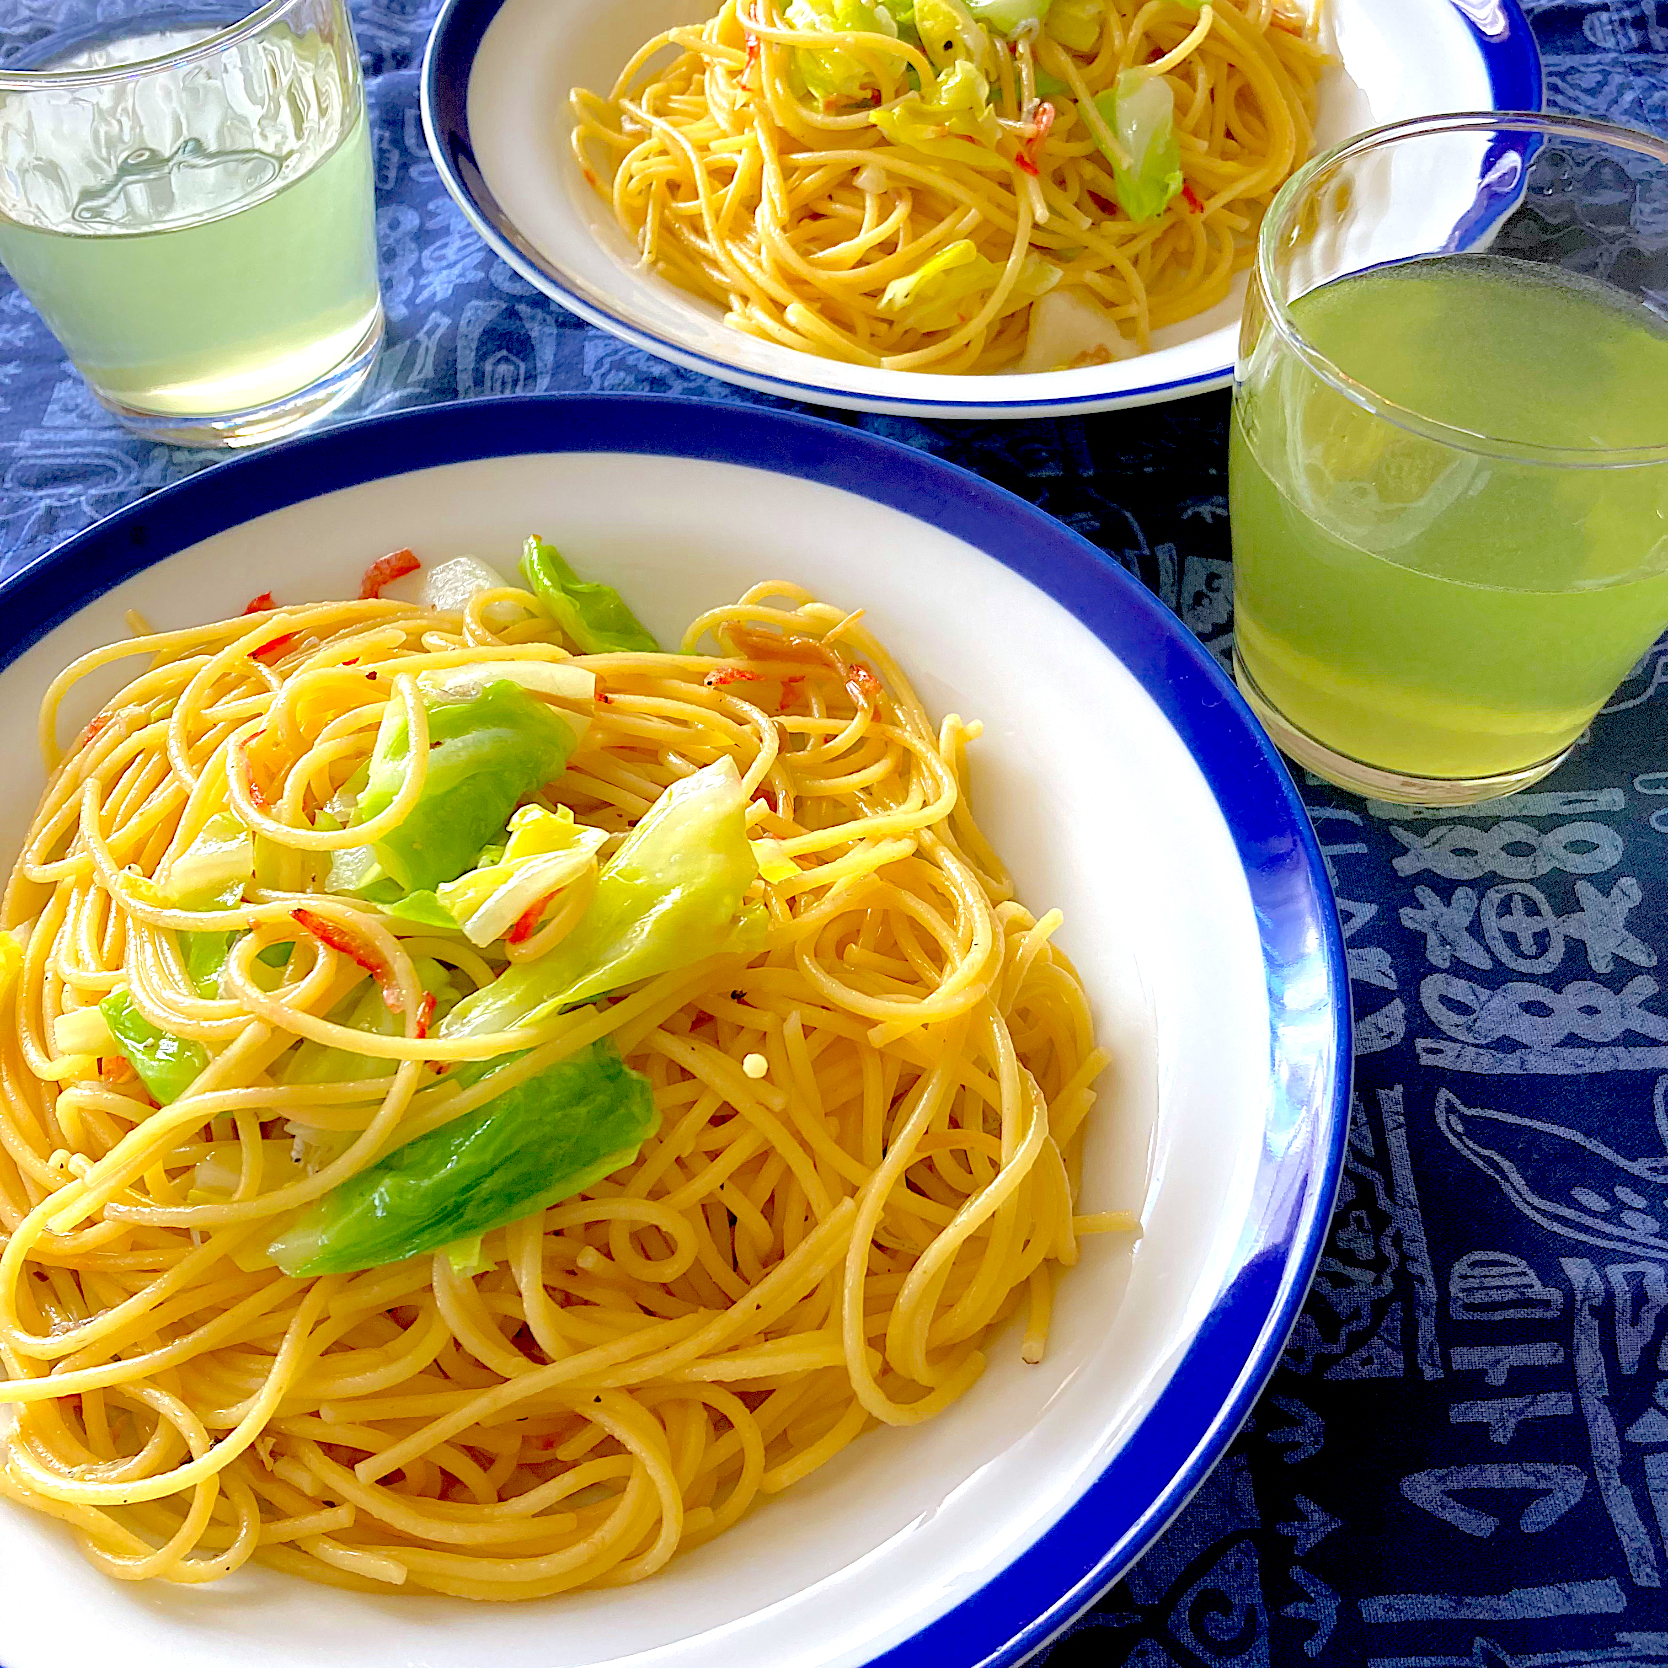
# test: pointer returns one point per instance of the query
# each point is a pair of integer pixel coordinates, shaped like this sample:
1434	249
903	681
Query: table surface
1463	1457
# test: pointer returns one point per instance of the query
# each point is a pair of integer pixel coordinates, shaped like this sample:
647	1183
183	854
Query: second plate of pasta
945	207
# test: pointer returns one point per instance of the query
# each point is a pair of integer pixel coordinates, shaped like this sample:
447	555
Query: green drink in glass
190	208
1449	454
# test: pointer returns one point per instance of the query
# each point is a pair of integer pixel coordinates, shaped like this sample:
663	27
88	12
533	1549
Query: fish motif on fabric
1571	1183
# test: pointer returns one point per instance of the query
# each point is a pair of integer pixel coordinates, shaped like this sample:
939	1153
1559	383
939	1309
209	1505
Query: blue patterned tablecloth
1463	1458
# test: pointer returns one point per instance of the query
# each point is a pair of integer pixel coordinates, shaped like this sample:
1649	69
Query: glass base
259	424
1391	786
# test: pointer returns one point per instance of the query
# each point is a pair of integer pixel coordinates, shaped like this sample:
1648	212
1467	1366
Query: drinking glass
1449	450
186	197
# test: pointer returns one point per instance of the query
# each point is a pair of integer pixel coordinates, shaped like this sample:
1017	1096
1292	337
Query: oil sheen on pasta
1000	185
868	1117
1431	609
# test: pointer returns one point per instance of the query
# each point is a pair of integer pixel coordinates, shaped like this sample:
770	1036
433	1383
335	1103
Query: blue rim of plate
1498	29
1211	1391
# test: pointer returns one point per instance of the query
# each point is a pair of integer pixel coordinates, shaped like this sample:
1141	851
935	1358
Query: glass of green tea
186	197
1449	450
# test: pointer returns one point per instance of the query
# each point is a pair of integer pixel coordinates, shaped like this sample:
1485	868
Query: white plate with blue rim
1120	776
494	94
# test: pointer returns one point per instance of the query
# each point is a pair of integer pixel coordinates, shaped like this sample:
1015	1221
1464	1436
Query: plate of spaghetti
631	1031
960	208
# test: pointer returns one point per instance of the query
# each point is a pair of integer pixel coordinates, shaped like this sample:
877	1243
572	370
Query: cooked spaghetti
928	185
503	1231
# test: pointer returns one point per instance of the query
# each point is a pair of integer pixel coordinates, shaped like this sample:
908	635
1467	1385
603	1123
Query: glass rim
25	80
1359	393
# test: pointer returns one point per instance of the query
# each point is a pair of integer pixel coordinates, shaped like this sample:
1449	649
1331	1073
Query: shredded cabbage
1069	329
1076	24
1141	112
205	956
940	293
211	872
828	72
355	870
485	754
535	1144
546	852
82	1031
1008	17
958	103
593	616
167	1065
671	895
450	586
949	33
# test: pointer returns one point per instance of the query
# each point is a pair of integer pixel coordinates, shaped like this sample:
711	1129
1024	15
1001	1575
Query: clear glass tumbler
1449	450
186	196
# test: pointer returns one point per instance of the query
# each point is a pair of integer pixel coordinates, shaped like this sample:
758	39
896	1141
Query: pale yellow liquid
201	280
